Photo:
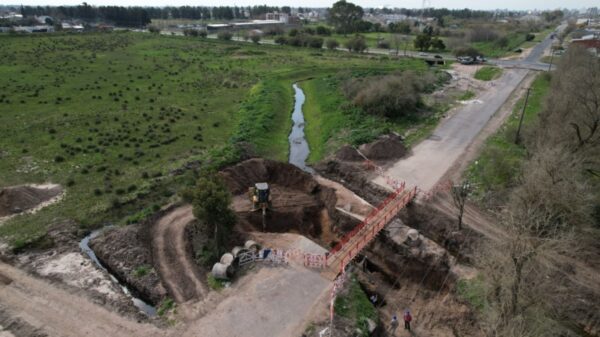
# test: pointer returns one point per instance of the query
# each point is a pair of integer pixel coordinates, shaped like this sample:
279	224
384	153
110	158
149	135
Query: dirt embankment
126	253
385	148
24	198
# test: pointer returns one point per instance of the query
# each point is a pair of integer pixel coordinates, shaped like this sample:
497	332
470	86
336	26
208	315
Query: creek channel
84	245
299	150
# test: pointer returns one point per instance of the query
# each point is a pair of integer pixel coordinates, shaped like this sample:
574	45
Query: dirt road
57	312
179	273
432	157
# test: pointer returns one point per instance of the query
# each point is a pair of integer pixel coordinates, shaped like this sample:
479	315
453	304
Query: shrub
70	182
529	37
332	44
190	32
59	159
383	44
322	30
357	44
315	42
466	51
224	35
281	40
202	33
153	29
390	95
255	38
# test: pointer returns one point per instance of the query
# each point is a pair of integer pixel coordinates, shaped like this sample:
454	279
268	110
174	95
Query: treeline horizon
134	16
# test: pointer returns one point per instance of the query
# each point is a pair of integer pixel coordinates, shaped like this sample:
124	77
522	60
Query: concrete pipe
413	237
222	271
237	250
227	258
251	245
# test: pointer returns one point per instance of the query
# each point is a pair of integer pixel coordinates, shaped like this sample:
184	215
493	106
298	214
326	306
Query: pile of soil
125	251
388	147
18	199
348	153
297	199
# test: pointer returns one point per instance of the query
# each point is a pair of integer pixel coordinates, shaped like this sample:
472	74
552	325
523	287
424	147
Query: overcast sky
473	4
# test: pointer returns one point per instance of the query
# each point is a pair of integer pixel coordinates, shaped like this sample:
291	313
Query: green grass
165	306
466	96
141	271
492	49
488	73
499	162
121	110
214	283
473	291
355	306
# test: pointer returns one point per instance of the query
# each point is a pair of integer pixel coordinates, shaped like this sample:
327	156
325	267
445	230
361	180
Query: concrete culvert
227	259
222	271
251	245
237	250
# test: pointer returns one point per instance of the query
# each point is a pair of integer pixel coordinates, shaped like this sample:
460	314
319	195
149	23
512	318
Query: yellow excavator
260	195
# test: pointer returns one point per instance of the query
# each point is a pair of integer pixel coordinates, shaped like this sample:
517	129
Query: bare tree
460	194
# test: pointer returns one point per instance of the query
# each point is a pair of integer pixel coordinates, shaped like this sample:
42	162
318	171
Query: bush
332	44
466	51
281	40
202	33
190	32
59	159
529	37
153	29
322	30
391	96
255	38
357	44
383	44
315	42
224	35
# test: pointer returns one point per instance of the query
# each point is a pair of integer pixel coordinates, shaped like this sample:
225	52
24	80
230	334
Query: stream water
299	150
84	245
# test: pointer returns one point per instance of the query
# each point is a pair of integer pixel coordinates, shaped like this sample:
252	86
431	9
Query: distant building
254	24
276	16
589	42
43	19
34	29
11	16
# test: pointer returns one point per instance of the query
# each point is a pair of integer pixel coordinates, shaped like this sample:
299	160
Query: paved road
432	157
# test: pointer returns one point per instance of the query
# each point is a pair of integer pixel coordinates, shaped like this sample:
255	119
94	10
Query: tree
332	44
345	16
315	42
153	29
210	201
422	42
438	44
460	194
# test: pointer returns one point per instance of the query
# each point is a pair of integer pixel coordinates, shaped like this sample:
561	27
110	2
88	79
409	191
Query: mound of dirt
348	153
387	147
245	174
18	199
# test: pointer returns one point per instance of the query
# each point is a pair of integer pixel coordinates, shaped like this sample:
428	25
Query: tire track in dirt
40	305
172	258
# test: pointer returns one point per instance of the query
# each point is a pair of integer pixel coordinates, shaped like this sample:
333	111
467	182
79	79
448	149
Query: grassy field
500	159
488	73
109	116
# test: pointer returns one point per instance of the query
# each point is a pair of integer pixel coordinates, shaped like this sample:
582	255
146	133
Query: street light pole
522	115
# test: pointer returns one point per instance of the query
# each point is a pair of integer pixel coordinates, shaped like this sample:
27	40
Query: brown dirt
38	307
123	250
171	253
389	147
18	199
348	153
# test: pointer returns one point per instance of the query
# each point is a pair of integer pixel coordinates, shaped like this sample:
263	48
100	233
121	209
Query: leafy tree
400	27
322	30
438	44
255	38
345	16
211	200
315	42
224	35
423	42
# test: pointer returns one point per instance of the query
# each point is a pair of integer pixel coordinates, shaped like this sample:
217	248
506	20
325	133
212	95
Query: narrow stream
85	247
299	150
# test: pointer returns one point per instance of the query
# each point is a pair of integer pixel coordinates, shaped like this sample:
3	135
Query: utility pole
522	115
551	58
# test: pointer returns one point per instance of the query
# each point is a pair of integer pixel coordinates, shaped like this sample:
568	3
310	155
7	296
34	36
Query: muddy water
85	247
299	150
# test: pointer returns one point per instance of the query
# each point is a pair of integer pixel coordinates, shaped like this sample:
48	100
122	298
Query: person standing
394	325
407	319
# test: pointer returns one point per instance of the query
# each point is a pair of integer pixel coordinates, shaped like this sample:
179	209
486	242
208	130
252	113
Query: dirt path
57	312
179	273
